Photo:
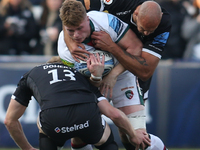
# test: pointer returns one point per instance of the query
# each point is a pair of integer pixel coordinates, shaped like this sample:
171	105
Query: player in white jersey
126	81
80	28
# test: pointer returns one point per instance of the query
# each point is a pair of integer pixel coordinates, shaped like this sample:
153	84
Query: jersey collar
131	20
87	40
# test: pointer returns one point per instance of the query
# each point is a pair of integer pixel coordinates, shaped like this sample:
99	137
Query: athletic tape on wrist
96	78
93	80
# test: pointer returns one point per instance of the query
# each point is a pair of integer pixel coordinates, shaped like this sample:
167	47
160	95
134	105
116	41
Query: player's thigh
126	92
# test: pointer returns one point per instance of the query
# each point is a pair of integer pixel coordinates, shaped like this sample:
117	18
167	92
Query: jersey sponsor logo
75	127
57	130
161	39
129	94
115	24
123	13
108	2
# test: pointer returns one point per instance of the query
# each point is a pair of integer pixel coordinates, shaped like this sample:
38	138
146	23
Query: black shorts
80	120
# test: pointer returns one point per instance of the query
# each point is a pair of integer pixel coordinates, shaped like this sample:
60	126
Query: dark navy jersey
55	85
123	9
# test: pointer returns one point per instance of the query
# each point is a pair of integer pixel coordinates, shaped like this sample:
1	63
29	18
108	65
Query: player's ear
136	13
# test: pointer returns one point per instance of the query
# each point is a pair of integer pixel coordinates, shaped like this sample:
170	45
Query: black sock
110	144
46	143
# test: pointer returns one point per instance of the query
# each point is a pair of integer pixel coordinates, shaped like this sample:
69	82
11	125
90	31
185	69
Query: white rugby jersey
99	21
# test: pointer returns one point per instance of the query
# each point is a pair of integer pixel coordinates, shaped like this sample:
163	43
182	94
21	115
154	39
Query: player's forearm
69	42
123	124
117	70
17	134
135	64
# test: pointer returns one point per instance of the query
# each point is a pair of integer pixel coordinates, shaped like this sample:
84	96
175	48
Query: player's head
147	17
75	20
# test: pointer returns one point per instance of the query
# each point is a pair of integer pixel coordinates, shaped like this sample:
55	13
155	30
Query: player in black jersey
149	22
69	108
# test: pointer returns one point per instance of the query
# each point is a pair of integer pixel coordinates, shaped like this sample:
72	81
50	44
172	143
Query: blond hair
72	13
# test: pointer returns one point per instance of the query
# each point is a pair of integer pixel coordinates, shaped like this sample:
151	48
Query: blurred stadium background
172	110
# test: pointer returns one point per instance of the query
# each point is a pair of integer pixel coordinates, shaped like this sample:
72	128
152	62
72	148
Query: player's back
55	85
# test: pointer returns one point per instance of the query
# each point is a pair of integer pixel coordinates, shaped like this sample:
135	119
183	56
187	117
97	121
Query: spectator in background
50	26
17	27
191	31
175	46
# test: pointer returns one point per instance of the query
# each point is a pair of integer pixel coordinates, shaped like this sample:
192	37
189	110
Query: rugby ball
109	63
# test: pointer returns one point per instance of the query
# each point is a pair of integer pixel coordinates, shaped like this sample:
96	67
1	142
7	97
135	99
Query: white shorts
126	91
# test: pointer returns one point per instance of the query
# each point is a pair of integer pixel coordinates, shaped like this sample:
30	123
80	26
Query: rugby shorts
80	120
126	91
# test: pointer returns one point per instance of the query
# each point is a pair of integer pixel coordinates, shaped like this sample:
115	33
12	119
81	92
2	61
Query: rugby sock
156	143
110	144
46	143
81	147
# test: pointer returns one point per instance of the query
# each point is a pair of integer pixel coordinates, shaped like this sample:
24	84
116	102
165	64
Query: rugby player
68	103
152	25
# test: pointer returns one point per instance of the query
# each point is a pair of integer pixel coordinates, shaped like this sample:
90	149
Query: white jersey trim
151	52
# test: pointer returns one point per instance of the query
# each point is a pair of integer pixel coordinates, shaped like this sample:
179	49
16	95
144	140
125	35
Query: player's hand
107	85
95	65
77	50
102	40
140	140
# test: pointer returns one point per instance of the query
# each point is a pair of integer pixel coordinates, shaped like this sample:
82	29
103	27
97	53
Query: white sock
86	147
156	143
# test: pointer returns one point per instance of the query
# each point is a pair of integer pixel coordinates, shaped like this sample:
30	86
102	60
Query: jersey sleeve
22	93
98	94
155	46
64	52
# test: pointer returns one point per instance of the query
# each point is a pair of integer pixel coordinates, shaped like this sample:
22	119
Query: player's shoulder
95	13
96	17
